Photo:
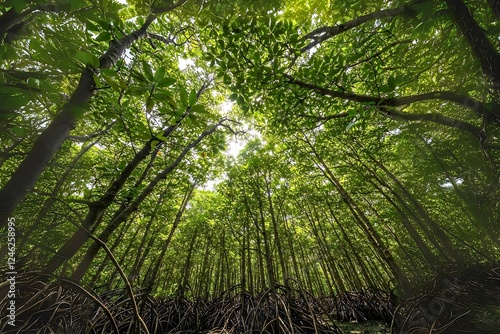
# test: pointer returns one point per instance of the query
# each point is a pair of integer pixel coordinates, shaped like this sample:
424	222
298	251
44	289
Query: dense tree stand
264	166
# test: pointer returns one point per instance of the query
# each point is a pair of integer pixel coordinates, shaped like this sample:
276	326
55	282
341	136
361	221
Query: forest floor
459	301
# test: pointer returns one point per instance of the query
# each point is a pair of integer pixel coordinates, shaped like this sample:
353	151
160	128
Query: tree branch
479	42
430	117
436	118
90	136
468	102
322	34
162	10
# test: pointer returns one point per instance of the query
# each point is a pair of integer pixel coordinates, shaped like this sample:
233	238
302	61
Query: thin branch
95	299
166	9
166	40
465	101
439	119
124	277
322	34
90	136
430	117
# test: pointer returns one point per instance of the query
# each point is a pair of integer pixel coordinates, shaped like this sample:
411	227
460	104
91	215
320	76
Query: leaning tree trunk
361	219
48	143
78	240
480	44
154	272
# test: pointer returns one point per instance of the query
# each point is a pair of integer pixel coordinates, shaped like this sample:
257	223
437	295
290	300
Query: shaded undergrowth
47	305
465	301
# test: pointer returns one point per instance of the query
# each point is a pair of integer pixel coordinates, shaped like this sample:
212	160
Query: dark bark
481	46
82	235
495	7
322	34
48	143
479	107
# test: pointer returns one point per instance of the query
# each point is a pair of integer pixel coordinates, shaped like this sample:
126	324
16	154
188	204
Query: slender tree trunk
106	261
330	269
49	202
94	247
96	210
267	248
143	249
277	239
156	268
296	268
100	270
361	219
479	42
251	282
352	271
261	278
48	143
435	228
353	250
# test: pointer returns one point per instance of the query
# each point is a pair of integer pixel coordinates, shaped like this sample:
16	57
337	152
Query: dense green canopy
338	144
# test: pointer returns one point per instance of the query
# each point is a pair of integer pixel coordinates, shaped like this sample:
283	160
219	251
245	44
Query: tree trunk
361	219
154	272
479	42
48	143
81	236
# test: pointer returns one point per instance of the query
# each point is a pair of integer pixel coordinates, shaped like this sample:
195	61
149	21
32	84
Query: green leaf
137	91
104	24
161	137
192	98
352	112
20	132
10	102
92	27
111	83
199	109
160	73
392	83
76	4
184	96
165	82
148	72
149	103
87	58
19	5
192	119
104	36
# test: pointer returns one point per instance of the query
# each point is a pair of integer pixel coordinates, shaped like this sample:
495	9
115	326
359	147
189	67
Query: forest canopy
182	148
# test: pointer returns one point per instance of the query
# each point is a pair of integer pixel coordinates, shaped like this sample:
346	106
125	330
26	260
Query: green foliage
335	178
